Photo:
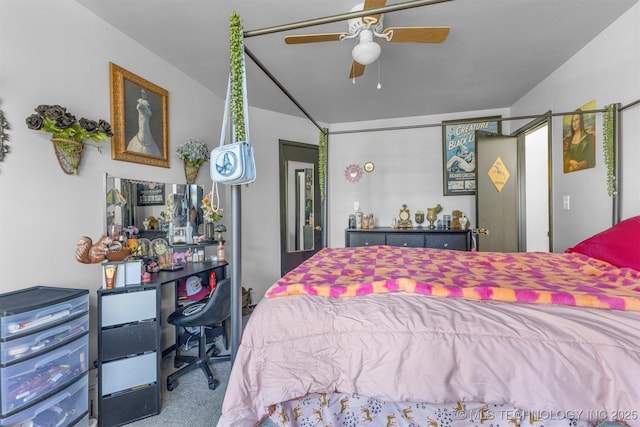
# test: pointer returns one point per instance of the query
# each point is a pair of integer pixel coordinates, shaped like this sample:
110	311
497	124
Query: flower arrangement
193	151
131	231
63	125
210	212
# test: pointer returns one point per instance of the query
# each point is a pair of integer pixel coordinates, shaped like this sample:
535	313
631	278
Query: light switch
356	206
566	203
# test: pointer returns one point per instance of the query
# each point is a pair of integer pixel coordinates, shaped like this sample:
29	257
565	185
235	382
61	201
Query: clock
405	218
369	167
159	247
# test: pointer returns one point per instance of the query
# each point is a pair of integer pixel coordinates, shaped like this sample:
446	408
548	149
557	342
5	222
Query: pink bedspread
410	346
531	277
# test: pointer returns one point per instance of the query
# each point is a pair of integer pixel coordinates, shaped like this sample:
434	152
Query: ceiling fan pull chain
379	85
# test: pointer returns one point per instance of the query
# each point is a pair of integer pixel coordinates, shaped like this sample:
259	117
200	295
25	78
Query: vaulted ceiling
496	51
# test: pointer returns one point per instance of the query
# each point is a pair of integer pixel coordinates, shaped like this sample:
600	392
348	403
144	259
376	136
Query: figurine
89	253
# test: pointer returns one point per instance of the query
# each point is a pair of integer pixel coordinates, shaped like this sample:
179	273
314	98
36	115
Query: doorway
515	212
301	216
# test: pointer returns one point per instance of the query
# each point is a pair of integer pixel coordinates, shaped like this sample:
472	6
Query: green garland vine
607	147
236	51
322	160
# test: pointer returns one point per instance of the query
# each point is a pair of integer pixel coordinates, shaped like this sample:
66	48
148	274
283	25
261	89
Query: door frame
521	134
318	208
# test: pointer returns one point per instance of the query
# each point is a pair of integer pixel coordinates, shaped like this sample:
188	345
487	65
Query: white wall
56	52
607	70
408	170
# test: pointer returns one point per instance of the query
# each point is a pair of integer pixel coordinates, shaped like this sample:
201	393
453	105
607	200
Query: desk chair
201	314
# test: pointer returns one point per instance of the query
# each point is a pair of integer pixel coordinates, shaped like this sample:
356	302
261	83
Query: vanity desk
130	345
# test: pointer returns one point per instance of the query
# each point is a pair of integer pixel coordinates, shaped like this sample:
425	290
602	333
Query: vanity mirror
156	209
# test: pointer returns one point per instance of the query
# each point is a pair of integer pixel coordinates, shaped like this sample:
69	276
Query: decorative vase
191	172
431	217
69	154
209	230
419	218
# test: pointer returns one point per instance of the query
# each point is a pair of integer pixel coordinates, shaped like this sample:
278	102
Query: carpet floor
191	403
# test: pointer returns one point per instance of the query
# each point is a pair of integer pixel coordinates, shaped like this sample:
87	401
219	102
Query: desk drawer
128	307
127	374
130	339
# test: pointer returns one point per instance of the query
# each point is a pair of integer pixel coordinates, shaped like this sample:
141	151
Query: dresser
44	350
459	240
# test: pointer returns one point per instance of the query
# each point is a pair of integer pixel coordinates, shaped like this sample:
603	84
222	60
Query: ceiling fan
366	29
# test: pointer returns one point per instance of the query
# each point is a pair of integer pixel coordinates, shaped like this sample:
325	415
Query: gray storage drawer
410	240
451	241
366	239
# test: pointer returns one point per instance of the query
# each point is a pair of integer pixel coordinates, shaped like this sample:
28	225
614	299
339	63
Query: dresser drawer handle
446	245
404	244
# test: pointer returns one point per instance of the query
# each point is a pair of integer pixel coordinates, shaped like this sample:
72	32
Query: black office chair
202	314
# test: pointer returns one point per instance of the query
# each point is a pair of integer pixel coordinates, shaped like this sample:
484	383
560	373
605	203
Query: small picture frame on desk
179	235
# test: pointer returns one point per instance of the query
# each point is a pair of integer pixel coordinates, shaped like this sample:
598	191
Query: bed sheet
411	347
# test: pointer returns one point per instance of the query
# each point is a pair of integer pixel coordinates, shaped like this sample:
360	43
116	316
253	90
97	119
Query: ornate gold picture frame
139	119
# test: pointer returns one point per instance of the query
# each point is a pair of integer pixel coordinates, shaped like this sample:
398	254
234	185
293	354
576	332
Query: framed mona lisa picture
139	118
579	139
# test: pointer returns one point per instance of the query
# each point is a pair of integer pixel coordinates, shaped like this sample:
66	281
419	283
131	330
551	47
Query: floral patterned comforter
532	277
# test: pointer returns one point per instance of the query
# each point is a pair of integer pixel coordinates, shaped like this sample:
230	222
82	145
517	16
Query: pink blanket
532	277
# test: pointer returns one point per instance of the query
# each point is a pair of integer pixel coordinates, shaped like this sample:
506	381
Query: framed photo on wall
149	194
459	152
139	119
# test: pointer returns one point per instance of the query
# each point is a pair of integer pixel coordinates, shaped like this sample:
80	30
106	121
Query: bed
395	336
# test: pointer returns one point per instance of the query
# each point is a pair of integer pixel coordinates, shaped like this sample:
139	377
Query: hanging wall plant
237	58
322	161
4	136
607	147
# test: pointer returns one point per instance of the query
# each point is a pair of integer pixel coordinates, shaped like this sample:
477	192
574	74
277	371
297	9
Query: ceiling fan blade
417	34
357	70
314	38
372	4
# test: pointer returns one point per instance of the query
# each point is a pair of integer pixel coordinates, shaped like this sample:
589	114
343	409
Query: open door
497	192
514	200
301	216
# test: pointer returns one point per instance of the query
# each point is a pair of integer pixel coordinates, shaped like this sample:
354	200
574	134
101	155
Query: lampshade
366	51
115	198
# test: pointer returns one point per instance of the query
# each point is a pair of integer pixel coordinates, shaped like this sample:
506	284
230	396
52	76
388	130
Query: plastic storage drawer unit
67	407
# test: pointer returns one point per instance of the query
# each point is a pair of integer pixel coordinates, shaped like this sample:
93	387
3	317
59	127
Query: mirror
300	205
171	211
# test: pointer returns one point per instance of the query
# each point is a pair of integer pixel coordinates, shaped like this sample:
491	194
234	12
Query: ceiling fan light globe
366	53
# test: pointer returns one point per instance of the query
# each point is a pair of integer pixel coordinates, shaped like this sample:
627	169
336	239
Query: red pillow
619	245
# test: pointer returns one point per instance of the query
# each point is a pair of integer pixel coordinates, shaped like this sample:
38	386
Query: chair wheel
214	384
171	385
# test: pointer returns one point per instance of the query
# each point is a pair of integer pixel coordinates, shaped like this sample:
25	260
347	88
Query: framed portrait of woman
579	139
139	118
